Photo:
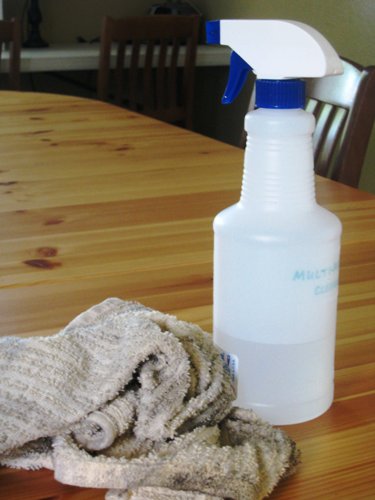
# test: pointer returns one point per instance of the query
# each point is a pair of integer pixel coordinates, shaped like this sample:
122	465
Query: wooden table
96	201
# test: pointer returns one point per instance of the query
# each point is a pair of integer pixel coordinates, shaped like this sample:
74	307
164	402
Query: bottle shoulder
316	223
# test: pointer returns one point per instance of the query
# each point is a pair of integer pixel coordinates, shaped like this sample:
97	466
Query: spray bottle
276	251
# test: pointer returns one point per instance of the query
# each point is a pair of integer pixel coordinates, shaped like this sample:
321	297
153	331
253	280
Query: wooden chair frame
10	32
344	108
152	82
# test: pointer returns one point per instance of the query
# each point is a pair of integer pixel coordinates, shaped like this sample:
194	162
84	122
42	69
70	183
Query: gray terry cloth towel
134	400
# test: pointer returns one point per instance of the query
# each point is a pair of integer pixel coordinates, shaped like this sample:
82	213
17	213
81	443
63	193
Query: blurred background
348	24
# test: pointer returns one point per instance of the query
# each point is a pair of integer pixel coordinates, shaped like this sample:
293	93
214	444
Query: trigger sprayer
276	251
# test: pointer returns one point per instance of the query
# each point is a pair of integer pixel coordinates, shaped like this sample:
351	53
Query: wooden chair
151	48
10	33
344	109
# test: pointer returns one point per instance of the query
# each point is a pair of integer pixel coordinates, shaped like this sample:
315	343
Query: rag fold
134	400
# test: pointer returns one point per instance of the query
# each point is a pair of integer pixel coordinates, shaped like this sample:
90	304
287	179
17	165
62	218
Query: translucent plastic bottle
276	265
276	254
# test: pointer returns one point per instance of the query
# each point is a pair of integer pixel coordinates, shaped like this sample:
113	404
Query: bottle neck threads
280	94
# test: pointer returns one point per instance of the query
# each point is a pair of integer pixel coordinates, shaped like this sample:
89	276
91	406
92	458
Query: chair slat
322	124
148	85
160	75
329	148
119	72
172	77
134	74
311	106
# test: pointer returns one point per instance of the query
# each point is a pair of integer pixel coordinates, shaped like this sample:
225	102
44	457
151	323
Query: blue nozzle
238	72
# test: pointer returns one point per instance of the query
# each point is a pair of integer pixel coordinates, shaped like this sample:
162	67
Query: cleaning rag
134	400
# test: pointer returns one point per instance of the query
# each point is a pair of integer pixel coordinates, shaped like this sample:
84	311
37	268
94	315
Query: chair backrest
344	109
158	54
10	33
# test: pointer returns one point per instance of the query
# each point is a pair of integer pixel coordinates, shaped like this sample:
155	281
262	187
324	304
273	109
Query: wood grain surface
96	201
